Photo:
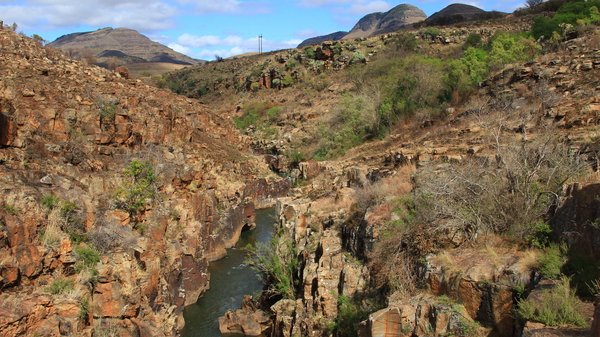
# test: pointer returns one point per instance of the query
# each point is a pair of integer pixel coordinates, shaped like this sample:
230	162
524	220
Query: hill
406	17
456	13
396	18
123	44
118	195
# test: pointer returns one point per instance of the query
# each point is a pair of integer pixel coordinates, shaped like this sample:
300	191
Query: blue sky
203	28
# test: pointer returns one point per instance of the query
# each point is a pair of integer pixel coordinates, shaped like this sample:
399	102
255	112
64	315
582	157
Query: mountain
456	13
396	18
125	44
318	39
379	23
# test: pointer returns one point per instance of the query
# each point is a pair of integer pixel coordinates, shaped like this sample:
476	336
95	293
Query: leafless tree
532	3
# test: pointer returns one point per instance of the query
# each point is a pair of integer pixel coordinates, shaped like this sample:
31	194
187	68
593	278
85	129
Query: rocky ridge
121	43
78	258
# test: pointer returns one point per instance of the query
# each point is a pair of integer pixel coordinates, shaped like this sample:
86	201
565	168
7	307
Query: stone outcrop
247	321
576	221
76	257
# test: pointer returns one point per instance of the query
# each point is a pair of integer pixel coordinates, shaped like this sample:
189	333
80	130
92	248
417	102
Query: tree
89	57
532	3
113	63
39	39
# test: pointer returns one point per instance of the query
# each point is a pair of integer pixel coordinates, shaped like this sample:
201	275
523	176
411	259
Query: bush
552	261
505	48
10	209
139	189
278	260
50	201
473	40
351	313
309	52
568	16
558	306
87	254
503	196
61	285
288	80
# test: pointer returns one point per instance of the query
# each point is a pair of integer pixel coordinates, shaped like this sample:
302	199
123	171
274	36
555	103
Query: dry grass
154	68
53	234
528	261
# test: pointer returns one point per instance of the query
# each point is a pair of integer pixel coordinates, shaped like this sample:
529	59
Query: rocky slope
115	195
467	286
121	43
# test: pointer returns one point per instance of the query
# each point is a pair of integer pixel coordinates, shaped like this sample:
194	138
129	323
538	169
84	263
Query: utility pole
260	44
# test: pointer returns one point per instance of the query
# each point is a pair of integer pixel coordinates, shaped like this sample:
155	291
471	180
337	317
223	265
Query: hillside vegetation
442	158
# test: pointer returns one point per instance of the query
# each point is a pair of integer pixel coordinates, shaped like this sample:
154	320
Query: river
230	280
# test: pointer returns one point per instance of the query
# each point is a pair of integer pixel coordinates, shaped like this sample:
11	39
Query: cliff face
116	196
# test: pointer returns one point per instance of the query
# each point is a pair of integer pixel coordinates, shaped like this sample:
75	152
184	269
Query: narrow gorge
415	183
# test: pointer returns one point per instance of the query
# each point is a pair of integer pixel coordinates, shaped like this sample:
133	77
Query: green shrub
84	308
558	306
473	40
505	48
50	201
67	208
337	48
552	261
10	209
288	80
87	254
357	57
309	52
290	64
144	74
279	261
568	16
159	81
139	189
582	270
273	114
61	285
107	108
351	312
349	129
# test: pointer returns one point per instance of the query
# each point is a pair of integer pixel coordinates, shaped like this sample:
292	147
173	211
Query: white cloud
180	49
160	38
135	14
306	33
209	40
322	3
239	46
371	7
224	53
291	43
214	6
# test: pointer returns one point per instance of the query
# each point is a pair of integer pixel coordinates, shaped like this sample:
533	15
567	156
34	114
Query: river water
230	280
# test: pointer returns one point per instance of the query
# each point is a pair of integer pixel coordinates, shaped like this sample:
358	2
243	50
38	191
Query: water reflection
230	280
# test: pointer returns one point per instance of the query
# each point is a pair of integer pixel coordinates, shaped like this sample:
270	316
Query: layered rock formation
116	196
121	43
